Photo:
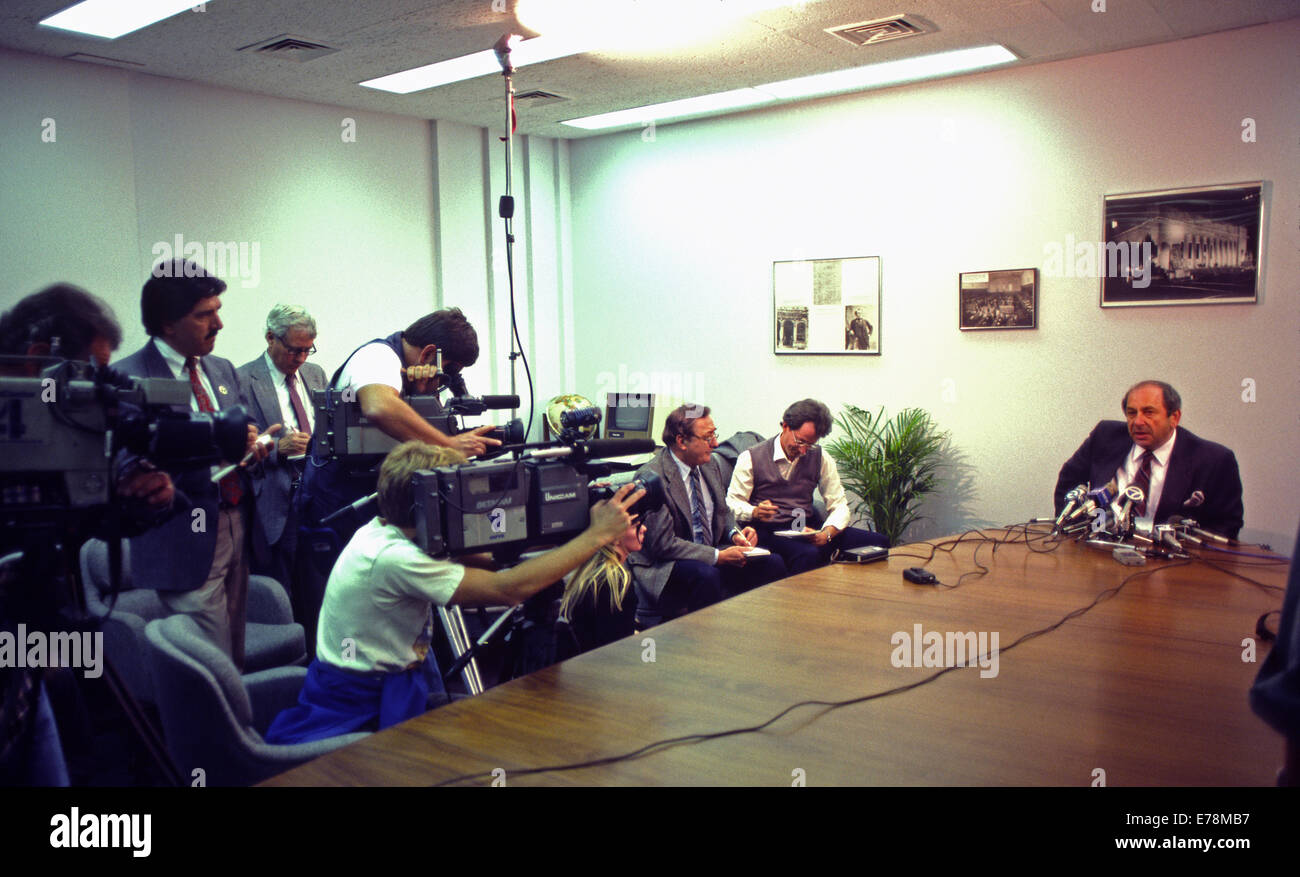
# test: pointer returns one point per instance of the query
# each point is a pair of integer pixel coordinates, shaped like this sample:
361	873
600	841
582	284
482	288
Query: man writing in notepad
772	487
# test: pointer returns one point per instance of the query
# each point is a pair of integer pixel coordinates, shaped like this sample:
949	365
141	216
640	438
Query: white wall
674	239
649	261
368	233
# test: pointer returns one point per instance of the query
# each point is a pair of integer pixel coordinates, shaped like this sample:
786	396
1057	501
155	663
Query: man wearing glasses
772	487
693	553
279	384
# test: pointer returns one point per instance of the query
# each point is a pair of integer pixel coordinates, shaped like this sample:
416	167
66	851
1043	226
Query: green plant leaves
890	464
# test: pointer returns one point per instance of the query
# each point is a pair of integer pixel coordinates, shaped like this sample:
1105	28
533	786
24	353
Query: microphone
600	448
1166	536
502	48
1190	524
354	507
264	440
1098	497
1131	494
471	405
1070	499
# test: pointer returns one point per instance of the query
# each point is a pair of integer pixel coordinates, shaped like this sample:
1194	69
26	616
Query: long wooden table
1149	687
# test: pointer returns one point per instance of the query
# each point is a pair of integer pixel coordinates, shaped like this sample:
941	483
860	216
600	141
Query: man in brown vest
772	487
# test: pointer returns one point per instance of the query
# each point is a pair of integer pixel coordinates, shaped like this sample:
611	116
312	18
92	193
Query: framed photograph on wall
1182	246
827	306
997	299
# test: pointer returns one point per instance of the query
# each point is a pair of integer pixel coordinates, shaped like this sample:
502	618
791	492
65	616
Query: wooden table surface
1149	686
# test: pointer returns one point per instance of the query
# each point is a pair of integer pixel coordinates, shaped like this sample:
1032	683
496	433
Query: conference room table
1148	687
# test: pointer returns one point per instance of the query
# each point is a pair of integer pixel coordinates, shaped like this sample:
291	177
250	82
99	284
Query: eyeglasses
800	443
295	351
707	437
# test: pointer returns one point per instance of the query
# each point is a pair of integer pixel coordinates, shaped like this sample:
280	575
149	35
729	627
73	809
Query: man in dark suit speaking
1179	472
693	553
279	384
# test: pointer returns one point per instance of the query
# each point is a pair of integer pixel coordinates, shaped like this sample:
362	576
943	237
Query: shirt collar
1161	453
681	467
175	361
272	368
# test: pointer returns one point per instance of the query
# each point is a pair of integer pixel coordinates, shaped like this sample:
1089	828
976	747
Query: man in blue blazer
278	386
1183	473
198	560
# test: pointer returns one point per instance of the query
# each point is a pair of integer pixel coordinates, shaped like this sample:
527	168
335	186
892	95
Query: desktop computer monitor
630	415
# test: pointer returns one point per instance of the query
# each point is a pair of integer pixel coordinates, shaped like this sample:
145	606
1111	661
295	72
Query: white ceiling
377	37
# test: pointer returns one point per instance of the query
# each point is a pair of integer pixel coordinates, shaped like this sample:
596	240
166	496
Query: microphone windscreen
619	447
506	402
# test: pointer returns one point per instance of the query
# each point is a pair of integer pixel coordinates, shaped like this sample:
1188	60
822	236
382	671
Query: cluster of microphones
1106	517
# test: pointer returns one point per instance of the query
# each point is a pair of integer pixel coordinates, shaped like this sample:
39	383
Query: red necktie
298	411
1143	480
231	490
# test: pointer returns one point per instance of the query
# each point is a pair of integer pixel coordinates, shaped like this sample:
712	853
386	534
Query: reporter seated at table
373	665
599	602
772	488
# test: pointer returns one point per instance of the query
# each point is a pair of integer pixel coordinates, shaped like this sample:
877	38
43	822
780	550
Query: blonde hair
605	568
403	461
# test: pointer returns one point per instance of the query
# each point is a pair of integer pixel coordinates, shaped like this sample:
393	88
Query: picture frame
1190	246
1006	299
826	306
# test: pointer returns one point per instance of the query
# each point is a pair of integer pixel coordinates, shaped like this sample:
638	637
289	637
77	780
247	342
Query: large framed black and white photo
1182	246
998	299
827	306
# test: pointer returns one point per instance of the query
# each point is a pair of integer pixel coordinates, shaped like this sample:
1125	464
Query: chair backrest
206	714
727	452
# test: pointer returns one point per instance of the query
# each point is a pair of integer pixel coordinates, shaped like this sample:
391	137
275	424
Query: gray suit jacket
177	555
668	531
272	492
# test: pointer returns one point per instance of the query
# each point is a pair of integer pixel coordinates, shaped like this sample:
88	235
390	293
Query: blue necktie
698	525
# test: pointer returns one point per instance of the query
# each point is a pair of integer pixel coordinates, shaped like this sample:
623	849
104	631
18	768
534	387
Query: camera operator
59	321
65	321
373	666
197	562
381	373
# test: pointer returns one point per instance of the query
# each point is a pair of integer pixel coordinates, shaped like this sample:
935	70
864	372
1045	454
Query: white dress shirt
828	482
282	396
1126	473
706	501
176	362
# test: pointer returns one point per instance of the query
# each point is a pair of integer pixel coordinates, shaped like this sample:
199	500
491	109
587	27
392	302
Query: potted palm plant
888	464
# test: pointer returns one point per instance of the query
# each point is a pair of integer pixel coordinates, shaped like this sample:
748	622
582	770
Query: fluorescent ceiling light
639	25
890	72
856	79
691	106
113	18
526	52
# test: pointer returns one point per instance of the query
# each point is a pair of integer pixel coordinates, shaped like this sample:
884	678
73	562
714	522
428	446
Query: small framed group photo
827	306
998	299
1183	246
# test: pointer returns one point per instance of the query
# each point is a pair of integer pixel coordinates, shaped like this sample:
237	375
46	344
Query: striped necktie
699	526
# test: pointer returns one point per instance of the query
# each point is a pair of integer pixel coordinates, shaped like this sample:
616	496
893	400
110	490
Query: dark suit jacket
177	555
668	535
1202	480
272	492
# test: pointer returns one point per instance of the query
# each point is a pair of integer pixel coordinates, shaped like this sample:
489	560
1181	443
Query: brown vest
797	493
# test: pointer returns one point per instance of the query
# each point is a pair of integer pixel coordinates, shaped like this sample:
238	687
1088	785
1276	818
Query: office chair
213	719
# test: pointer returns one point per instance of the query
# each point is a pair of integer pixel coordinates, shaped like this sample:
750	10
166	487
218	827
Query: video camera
61	431
351	437
540	497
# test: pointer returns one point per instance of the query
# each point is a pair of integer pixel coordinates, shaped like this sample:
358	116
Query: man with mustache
1179	472
197	561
